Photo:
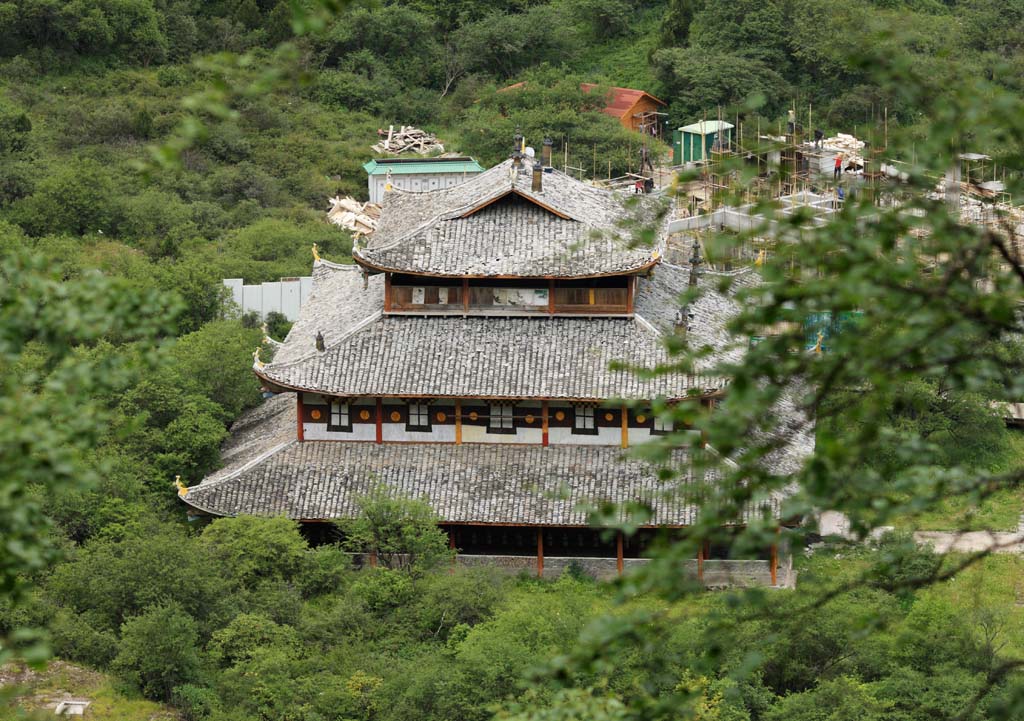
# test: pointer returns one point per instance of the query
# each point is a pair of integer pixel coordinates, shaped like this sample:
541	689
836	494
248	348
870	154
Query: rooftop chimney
695	263
517	141
538	175
320	342
545	153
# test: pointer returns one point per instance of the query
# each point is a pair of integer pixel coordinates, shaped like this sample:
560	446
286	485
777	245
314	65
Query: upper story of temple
518	239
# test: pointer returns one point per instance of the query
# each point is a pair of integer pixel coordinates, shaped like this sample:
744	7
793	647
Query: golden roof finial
760	258
316	254
182	488
817	346
256	358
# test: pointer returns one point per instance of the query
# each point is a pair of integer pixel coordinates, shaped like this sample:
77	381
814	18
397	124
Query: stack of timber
349	213
408	139
849	146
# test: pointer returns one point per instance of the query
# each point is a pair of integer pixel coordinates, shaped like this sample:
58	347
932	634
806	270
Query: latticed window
662	425
339	419
583	421
502	420
419	417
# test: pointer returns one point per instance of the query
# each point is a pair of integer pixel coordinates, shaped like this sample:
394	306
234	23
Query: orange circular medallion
641	419
314	414
608	416
441	417
559	415
473	416
528	418
396	416
364	415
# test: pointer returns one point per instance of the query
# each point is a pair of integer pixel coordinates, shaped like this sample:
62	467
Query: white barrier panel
285	296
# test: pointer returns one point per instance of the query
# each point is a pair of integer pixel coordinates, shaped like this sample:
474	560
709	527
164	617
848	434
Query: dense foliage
149	149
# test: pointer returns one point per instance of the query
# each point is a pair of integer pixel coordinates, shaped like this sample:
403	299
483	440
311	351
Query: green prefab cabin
693	143
417	174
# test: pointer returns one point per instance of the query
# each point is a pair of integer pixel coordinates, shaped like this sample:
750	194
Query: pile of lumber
349	213
849	146
407	139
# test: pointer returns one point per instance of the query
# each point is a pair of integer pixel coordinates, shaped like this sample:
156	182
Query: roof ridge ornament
316	254
256	362
182	488
695	263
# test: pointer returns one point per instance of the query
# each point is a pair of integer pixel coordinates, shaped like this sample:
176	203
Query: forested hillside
151	148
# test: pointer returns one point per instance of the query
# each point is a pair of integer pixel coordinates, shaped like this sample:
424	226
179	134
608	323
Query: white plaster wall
438	434
479	434
417	182
640	435
604	437
319	432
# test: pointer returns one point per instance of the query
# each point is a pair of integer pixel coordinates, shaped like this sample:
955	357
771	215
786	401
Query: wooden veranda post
540	553
299	412
619	557
380	421
544	423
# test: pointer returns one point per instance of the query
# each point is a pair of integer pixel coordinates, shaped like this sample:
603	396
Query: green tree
252	549
79	199
48	416
402	533
158	651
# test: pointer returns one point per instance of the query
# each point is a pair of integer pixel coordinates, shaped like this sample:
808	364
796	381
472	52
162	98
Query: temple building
470	358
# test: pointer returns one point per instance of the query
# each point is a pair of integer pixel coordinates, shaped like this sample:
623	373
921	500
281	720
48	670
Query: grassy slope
999	512
39	692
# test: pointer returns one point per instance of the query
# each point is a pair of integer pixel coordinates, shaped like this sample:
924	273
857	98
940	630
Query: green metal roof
422	165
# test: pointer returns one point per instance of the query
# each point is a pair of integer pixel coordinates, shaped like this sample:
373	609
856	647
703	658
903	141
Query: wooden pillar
775	564
458	422
619	556
630	284
387	292
373	558
590	297
540	553
380	421
551	297
700	563
625	427
299	413
465	295
544	423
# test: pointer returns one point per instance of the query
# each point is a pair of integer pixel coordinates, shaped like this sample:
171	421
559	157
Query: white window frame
339	416
584	420
662	426
418	418
502	419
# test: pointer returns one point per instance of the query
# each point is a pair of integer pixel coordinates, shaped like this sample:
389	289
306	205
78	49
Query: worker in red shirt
839	167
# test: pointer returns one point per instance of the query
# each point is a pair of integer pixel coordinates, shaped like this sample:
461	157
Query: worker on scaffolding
645	159
839	166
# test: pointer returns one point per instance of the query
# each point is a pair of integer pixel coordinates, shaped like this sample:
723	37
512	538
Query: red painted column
544	423
380	421
540	553
299	412
619	555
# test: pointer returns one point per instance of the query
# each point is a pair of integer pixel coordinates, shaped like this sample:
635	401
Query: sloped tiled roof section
369	354
495	225
480	483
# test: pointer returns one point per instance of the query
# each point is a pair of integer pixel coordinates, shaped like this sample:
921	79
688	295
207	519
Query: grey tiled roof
657	301
369	354
490	357
477	483
425	233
